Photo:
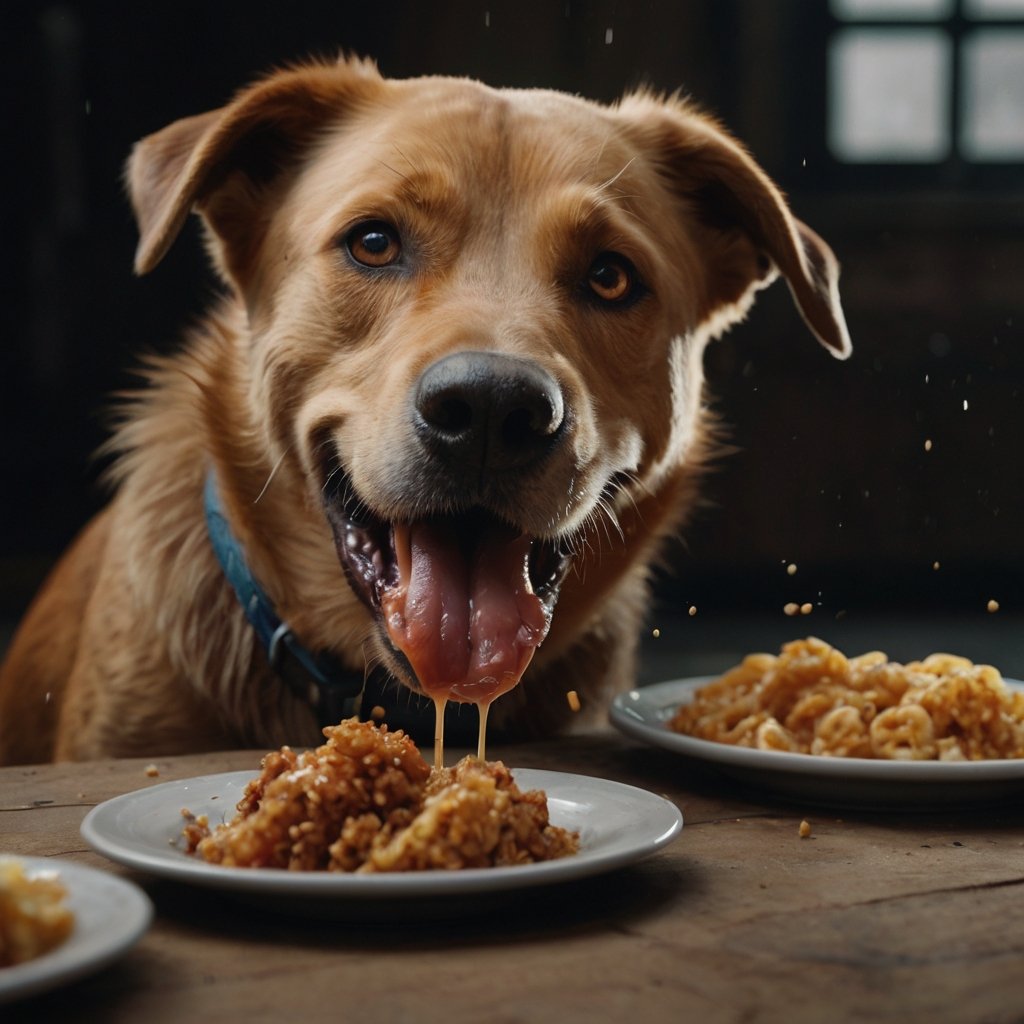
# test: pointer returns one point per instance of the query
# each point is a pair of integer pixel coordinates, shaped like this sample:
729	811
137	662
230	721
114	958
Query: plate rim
93	944
643	712
162	863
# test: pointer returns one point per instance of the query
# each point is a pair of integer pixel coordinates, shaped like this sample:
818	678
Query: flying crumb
928	445
693	610
377	714
993	606
152	771
805	829
792	608
806	608
791	568
935	566
655	633
574	700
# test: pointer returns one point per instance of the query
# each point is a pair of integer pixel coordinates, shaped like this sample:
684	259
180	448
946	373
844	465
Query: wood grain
874	917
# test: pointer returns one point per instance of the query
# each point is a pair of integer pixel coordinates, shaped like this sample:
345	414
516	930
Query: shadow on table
617	899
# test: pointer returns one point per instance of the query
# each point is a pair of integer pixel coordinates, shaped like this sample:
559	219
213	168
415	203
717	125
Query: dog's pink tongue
465	617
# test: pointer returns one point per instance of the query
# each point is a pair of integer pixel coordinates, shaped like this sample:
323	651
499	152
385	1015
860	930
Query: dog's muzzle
460	590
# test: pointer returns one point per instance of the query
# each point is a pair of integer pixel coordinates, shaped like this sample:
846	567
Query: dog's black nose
488	411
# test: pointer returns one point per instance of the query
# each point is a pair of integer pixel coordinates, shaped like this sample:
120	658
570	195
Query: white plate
644	714
618	825
111	915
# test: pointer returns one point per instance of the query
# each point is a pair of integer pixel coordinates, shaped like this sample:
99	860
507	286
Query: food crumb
655	632
805	829
935	566
792	608
806	608
377	714
693	610
574	700
993	606
152	771
791	569
928	445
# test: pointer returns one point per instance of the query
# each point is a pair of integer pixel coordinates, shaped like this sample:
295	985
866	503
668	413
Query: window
992	101
889	95
926	82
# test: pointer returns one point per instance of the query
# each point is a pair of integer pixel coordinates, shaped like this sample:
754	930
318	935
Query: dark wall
831	472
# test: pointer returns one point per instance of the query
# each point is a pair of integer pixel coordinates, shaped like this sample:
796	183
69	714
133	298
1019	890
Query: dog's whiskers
396	172
372	659
615	177
400	174
604	515
330	476
616	197
609	518
273	473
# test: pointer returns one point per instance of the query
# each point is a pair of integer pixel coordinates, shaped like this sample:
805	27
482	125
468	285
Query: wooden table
875	917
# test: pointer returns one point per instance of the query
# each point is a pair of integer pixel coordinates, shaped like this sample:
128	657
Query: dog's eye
612	278
374	244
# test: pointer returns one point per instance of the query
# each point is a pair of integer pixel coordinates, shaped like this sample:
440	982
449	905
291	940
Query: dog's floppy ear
218	162
746	231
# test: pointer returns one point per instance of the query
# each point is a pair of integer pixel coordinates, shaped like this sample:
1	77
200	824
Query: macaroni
812	699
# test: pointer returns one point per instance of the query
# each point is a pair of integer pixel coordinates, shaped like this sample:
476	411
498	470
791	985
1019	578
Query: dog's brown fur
137	645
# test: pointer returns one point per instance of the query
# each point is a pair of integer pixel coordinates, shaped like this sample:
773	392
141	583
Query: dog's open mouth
465	598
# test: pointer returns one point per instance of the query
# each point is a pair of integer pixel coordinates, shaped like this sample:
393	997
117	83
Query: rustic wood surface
876	917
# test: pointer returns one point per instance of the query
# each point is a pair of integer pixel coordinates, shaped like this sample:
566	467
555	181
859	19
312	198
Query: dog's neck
318	678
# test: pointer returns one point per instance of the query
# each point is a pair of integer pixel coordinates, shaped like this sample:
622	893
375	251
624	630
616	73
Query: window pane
889	95
994	8
901	10
993	95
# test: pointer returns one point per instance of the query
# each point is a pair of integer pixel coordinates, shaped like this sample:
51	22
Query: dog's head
476	323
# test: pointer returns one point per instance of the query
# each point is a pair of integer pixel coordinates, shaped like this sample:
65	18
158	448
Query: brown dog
452	399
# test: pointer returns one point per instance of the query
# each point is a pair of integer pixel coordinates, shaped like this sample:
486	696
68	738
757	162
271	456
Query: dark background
831	471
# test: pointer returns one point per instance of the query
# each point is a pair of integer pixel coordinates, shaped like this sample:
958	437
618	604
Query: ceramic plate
644	714
618	825
111	915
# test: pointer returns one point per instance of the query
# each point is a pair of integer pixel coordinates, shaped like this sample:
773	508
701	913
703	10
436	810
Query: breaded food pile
812	699
33	915
366	801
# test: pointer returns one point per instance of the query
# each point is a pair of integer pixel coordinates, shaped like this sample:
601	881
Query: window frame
955	171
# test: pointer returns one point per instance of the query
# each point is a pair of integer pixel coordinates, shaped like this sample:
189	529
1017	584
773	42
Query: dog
434	434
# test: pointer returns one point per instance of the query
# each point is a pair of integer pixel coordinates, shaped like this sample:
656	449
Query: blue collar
319	679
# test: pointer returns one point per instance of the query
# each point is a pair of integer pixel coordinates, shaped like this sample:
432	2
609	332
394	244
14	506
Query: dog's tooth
402	538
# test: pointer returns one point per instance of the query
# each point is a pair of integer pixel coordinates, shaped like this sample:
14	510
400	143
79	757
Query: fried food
812	699
366	801
33	916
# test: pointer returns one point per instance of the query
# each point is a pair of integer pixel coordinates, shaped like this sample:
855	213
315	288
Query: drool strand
439	705
481	744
